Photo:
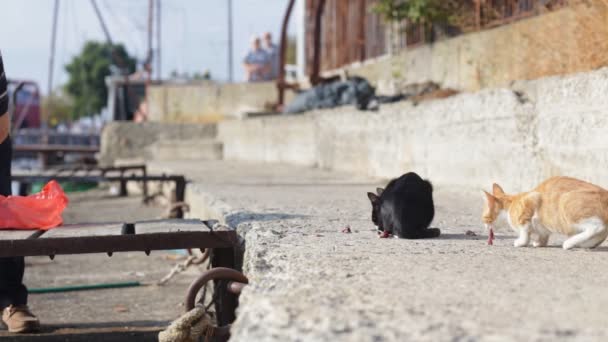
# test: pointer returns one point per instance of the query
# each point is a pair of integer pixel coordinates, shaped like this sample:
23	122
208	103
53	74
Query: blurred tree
59	106
87	72
415	11
451	16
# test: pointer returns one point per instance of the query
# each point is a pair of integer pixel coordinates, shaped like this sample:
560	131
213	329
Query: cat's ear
379	191
373	197
488	198
497	190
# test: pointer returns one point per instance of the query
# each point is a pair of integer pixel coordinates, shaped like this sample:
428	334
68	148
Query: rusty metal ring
213	274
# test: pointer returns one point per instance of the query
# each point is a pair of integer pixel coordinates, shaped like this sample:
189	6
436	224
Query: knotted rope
193	325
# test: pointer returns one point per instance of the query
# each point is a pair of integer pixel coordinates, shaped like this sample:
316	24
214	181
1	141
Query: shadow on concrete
451	236
320	183
243	217
111	331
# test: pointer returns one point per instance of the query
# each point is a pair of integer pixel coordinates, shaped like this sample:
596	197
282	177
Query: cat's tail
431	233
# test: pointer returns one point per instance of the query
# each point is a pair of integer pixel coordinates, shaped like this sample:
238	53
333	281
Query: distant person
273	52
13	294
257	62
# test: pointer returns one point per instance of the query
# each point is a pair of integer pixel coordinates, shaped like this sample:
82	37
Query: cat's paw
520	243
536	244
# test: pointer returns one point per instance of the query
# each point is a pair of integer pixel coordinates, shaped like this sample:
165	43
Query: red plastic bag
39	211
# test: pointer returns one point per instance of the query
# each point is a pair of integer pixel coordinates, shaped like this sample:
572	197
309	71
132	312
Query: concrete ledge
518	136
205	102
190	149
207	206
270	139
127	140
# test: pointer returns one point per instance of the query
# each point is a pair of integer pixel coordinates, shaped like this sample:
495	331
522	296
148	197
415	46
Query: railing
350	32
493	13
37	137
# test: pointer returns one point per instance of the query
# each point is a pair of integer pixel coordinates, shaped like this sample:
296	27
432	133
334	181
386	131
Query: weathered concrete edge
207	206
254	241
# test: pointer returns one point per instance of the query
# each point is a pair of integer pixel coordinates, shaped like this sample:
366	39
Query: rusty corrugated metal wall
351	32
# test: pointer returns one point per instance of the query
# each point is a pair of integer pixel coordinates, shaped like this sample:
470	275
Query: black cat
405	208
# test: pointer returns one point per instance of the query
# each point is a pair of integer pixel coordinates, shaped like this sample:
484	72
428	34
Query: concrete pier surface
311	282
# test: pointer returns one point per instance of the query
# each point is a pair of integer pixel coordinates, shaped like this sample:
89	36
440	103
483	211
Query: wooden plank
115	228
170	226
84	230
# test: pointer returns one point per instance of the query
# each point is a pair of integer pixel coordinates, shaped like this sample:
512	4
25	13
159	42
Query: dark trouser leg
12	290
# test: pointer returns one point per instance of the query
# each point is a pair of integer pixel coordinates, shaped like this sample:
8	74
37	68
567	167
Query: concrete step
191	149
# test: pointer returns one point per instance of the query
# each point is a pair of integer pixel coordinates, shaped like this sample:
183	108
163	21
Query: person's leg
12	291
13	294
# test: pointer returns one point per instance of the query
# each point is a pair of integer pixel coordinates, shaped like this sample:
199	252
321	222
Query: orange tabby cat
558	205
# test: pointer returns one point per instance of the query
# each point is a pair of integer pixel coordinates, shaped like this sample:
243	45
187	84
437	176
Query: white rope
188	328
178	268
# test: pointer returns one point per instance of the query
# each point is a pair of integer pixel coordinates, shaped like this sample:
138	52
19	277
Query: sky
194	33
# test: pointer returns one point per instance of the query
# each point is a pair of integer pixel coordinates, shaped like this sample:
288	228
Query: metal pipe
45	119
283	49
148	65
316	60
230	53
362	30
158	40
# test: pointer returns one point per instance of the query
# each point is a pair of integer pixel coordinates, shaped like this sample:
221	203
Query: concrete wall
566	41
208	102
129	140
554	126
270	139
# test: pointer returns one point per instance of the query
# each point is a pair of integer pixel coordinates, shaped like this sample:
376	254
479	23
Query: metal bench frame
144	236
224	243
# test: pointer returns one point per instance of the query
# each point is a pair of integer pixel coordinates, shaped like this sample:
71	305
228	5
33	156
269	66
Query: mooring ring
222	273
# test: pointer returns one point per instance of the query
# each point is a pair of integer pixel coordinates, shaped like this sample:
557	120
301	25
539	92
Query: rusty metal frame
70	171
223	242
281	84
315	77
35	246
128	240
43	151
